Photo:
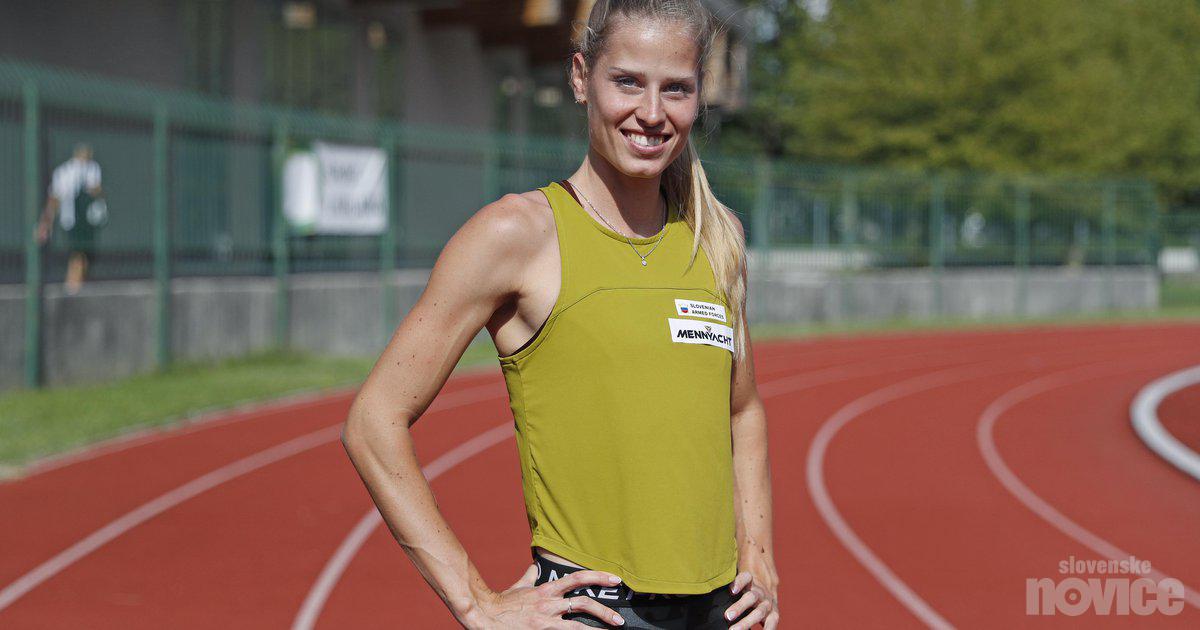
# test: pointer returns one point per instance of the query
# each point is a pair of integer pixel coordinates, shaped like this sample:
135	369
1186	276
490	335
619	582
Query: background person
74	186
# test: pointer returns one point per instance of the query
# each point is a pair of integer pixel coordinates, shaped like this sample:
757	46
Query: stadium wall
107	330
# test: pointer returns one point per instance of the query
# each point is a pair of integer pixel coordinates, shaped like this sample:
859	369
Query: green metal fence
1180	258
193	188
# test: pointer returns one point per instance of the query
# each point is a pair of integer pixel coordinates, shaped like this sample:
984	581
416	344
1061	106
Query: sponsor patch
700	309
692	331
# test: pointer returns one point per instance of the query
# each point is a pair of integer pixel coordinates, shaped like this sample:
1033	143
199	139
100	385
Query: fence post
1021	246
848	221
764	201
1110	245
33	252
279	237
387	244
937	212
162	243
1156	228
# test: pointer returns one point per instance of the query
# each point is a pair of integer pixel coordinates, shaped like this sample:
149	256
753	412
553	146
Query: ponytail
716	230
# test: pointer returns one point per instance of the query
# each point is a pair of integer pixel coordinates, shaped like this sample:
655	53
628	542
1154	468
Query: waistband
621	595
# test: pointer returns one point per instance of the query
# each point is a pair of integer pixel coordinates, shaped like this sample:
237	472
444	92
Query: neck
632	204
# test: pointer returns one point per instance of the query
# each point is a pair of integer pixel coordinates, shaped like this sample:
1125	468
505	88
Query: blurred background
279	176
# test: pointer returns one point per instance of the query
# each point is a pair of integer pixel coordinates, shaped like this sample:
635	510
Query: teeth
646	141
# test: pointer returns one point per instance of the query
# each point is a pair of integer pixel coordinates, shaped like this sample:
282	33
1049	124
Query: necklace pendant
643	262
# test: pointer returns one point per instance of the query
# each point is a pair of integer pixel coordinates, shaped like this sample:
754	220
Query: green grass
1177	292
36	423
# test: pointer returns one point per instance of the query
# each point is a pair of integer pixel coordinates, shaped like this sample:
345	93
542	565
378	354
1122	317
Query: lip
644	151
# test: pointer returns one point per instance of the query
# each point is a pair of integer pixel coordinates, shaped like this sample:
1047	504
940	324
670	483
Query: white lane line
1144	415
212	479
821	498
157	506
985	438
314	602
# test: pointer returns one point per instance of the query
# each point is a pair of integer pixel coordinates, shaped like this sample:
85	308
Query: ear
578	77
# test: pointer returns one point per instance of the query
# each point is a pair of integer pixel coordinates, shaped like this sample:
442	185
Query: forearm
49	211
752	488
383	454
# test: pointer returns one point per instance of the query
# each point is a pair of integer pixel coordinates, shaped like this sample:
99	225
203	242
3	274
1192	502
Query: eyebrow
624	71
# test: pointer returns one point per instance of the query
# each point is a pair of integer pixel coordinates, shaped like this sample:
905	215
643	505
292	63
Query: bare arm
752	481
477	271
480	270
50	209
42	231
752	468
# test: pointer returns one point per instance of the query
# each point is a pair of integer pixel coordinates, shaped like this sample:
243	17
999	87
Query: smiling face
643	93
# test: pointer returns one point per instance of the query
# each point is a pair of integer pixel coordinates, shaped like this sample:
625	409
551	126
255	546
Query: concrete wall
107	330
794	297
12	336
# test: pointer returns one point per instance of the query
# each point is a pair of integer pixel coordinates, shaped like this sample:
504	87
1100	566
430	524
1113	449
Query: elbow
364	431
352	434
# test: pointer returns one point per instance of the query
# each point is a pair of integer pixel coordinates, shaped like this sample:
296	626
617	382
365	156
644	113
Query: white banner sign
337	189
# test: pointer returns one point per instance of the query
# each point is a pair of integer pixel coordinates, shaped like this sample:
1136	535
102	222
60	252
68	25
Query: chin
635	166
643	170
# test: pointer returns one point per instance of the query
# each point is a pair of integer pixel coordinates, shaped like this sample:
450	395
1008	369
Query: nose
650	110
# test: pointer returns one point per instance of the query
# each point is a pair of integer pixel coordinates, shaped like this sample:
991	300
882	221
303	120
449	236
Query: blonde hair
684	180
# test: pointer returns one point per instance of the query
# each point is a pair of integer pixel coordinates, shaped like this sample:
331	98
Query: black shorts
82	235
82	239
644	611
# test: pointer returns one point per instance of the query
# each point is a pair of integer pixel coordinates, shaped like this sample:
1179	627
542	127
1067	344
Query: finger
758	614
577	579
583	604
740	581
529	578
772	621
741	605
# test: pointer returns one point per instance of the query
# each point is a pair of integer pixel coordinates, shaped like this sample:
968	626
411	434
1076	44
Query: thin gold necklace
610	226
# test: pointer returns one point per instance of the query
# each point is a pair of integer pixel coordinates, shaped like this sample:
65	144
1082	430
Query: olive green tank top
621	407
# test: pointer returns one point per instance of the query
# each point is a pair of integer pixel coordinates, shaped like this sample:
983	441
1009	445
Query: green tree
1105	87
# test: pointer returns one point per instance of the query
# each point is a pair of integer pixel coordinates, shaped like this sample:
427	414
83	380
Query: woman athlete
615	299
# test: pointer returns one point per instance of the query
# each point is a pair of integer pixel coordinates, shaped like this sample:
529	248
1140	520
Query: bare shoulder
513	224
492	254
535	211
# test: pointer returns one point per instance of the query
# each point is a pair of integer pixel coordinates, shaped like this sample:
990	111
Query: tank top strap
572	242
594	256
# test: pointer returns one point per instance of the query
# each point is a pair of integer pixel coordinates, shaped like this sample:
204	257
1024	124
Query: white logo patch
700	309
692	331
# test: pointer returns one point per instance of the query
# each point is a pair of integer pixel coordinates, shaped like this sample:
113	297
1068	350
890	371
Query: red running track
919	479
1180	416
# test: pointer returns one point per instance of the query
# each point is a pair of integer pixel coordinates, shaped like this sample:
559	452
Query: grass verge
38	423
